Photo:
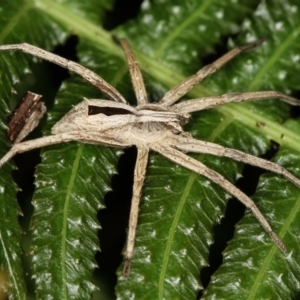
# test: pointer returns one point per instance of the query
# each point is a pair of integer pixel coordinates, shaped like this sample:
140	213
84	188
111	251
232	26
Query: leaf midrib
273	58
180	27
183	199
272	130
64	232
252	294
10	271
15	20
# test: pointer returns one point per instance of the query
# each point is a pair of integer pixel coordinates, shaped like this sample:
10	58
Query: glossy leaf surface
179	209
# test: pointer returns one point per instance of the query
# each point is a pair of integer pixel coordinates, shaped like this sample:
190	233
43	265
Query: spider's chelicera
151	126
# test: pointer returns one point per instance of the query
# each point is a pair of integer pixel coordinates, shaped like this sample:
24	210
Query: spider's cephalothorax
156	127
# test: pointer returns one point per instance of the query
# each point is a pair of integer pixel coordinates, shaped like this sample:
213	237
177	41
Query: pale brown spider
151	126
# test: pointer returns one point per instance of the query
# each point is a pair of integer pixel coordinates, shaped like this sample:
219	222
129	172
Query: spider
151	126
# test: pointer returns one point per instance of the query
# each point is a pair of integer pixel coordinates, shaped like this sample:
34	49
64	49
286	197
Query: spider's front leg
135	74
192	164
185	86
213	101
85	73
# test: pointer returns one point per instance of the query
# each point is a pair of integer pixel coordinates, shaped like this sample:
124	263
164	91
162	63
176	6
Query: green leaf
70	187
10	233
179	209
182	232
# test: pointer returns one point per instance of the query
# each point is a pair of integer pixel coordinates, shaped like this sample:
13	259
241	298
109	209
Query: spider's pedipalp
85	73
193	145
135	74
209	102
185	86
194	165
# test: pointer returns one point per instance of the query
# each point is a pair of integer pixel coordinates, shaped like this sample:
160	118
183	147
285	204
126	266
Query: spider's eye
108	111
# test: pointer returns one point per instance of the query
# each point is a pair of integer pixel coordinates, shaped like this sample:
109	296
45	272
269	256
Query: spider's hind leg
196	146
192	164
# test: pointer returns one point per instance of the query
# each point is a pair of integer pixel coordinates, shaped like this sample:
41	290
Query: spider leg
208	102
185	86
81	136
87	74
188	162
196	146
35	144
139	177
135	74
